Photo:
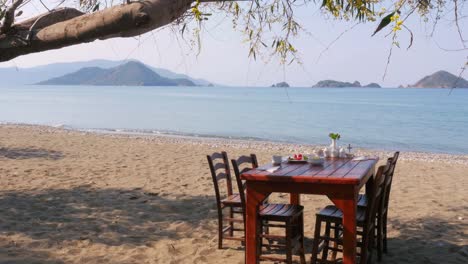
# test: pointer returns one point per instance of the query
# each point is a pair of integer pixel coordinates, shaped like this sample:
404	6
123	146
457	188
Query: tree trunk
66	27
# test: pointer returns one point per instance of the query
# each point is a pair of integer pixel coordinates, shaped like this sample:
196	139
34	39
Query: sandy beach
78	197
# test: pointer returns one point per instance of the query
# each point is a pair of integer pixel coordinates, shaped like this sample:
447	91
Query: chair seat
362	200
279	212
332	213
232	200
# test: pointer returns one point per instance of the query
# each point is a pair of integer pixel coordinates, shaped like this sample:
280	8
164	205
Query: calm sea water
405	119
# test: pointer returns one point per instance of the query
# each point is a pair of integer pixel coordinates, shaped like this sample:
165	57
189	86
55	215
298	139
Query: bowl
316	160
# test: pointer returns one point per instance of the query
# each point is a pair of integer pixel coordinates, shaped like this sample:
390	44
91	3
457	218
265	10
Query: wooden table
339	179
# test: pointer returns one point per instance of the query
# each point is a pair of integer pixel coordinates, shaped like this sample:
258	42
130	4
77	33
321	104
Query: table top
333	171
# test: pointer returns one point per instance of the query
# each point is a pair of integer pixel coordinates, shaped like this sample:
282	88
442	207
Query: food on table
298	157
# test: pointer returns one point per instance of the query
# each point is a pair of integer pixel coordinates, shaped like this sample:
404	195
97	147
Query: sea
423	120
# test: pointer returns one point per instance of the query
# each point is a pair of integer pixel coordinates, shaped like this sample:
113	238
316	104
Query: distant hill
441	79
372	85
338	84
19	76
281	84
129	74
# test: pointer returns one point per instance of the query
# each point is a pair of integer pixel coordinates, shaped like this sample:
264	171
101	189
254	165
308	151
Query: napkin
361	158
273	169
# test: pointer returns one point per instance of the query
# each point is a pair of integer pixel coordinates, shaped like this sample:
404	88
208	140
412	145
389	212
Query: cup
342	153
320	152
276	159
326	152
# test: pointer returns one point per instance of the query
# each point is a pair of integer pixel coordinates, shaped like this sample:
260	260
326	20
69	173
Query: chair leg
326	247
301	230
220	230
266	231
335	243
266	228
318	225
384	233
379	238
289	242
231	224
368	237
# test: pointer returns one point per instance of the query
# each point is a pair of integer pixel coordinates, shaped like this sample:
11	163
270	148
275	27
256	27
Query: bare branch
460	75
335	40
456	23
389	57
411	36
10	16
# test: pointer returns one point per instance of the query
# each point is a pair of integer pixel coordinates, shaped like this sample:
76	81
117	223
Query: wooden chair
219	167
286	216
365	219
386	201
382	210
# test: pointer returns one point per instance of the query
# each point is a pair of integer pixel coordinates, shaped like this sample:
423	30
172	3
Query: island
441	79
281	84
372	85
338	84
132	73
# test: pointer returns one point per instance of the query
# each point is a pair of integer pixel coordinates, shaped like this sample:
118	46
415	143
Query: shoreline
283	148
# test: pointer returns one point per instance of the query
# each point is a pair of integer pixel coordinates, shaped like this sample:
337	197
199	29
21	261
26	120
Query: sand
77	197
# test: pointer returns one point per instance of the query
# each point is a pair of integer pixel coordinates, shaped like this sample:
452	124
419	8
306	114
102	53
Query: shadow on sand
132	217
30	153
425	241
107	216
429	240
10	254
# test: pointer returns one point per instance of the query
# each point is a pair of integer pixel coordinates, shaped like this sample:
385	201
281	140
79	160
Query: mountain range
440	79
131	73
21	76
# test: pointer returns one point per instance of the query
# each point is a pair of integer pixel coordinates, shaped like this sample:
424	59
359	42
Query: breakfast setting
317	156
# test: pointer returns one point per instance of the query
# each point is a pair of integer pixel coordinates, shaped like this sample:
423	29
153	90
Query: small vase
333	144
334	152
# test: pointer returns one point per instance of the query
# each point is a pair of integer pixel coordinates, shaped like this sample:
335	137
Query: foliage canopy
268	25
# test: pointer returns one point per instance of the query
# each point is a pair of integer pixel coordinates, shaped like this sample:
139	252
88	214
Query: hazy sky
224	56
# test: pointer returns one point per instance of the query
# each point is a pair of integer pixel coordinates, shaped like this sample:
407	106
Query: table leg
295	198
370	184
348	206
253	199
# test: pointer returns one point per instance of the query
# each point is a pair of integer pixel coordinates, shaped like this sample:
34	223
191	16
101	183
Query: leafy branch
334	136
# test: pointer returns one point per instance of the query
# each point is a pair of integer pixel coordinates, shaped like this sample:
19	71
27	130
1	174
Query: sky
224	59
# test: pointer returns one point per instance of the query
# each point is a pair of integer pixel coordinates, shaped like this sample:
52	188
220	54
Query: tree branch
10	16
119	21
66	27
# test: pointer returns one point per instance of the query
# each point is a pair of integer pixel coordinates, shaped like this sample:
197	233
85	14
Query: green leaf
384	22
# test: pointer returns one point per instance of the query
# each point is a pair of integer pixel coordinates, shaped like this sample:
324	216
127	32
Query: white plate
296	161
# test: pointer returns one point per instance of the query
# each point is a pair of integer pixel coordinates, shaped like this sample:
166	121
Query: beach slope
77	197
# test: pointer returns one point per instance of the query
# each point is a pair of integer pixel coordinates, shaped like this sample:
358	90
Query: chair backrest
220	170
376	196
241	165
389	179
